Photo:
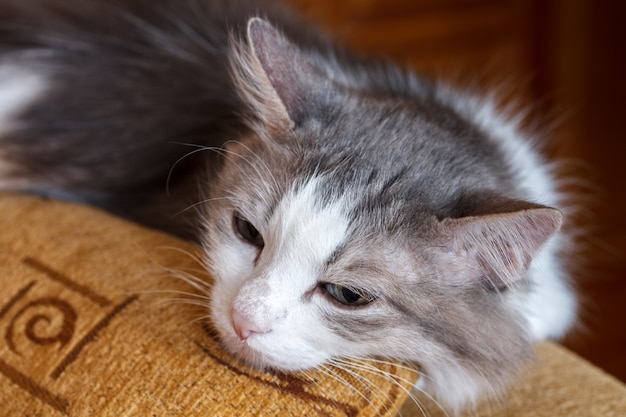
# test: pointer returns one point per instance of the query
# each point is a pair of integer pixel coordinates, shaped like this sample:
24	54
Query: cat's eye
248	232
348	296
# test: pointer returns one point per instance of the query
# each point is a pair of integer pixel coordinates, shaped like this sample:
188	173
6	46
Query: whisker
364	365
396	379
185	301
194	205
187	274
204	318
187	253
198	286
226	152
406	367
201	148
256	168
173	292
326	370
261	161
346	365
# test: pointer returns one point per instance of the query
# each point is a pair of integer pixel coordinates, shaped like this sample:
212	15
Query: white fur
551	309
20	86
279	294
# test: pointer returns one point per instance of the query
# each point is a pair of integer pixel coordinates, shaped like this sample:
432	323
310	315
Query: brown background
566	62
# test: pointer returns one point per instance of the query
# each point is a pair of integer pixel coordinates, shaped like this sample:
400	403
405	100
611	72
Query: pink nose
244	327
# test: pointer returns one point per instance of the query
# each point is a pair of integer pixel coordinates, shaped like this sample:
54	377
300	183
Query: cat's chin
256	353
264	362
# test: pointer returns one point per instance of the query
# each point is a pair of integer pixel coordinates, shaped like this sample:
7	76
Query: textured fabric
85	330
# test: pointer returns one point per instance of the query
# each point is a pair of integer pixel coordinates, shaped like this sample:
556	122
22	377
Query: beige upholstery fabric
84	331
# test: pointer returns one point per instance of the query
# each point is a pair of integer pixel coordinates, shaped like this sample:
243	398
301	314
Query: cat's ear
275	77
498	248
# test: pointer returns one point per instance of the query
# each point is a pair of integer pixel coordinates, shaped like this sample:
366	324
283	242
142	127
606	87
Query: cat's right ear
275	77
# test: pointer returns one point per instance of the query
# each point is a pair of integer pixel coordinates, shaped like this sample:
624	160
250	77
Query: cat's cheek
230	260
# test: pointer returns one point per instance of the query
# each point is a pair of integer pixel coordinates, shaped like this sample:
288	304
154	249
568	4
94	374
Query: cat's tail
56	157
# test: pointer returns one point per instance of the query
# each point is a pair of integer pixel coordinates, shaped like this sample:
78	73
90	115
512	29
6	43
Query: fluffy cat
347	208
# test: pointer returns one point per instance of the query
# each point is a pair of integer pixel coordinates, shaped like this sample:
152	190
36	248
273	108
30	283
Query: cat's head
326	240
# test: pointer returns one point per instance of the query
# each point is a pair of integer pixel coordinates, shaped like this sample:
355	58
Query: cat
346	207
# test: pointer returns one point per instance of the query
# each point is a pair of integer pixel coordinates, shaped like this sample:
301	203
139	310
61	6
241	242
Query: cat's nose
244	326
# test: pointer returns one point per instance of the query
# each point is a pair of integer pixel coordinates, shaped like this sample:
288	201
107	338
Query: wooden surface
564	60
465	39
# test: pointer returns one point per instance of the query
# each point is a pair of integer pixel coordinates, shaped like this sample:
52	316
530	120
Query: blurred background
564	61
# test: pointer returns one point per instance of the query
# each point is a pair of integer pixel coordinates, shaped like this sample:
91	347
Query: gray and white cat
347	208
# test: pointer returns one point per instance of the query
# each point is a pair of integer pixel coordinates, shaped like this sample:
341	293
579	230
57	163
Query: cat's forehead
361	203
320	229
306	224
